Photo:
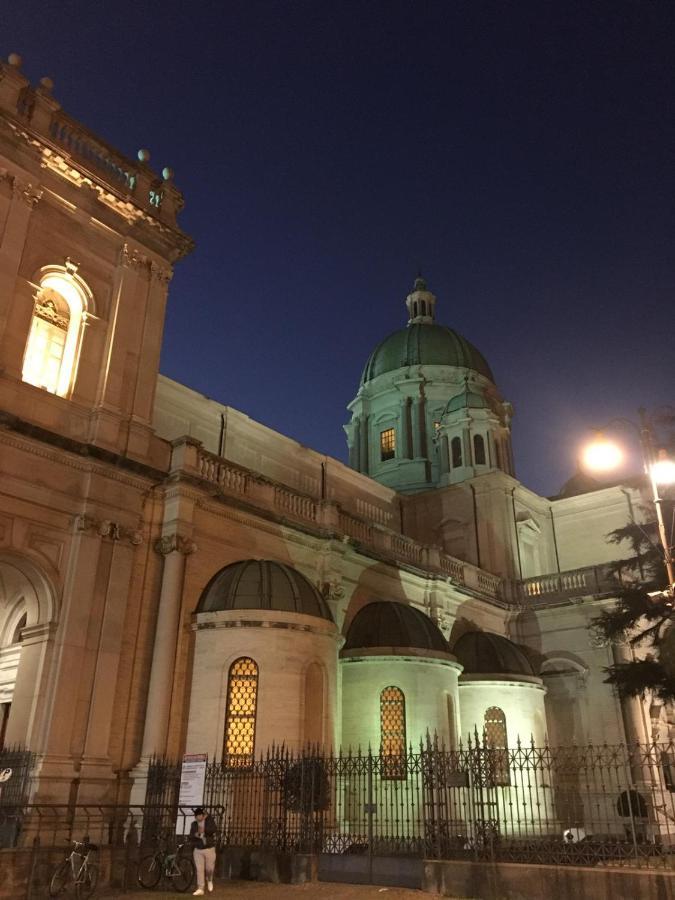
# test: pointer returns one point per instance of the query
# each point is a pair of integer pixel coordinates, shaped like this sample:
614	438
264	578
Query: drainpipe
221	438
555	539
515	526
475	525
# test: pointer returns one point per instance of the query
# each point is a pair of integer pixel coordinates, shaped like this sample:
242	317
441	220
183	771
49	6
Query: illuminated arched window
496	742
479	449
53	346
392	732
242	700
456	452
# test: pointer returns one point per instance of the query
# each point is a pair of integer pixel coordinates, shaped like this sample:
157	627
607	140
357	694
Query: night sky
523	153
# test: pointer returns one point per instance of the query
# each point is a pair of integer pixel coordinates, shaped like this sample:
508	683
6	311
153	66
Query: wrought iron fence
590	805
18	765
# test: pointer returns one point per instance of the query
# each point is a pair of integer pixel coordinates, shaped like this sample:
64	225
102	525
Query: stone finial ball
14	60
167	173
47	83
144	155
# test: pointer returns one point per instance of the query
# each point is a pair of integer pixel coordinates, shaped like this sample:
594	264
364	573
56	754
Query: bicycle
176	869
78	867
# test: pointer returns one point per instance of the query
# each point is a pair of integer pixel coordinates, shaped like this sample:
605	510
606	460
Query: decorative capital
332	590
172	543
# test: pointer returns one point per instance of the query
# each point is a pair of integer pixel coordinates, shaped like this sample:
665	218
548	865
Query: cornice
64	456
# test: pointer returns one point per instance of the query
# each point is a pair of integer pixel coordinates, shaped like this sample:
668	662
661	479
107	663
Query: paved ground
254	890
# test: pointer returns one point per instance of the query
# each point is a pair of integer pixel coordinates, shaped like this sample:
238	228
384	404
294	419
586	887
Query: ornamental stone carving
26	192
109	529
175	543
160	273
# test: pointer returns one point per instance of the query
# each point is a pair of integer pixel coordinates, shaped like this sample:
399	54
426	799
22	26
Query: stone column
355	448
444	455
15	316
422	425
407	427
416	431
174	549
363	430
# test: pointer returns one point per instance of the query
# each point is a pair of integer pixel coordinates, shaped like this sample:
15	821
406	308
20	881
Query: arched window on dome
479	449
456	452
53	345
495	740
240	718
392	732
424	307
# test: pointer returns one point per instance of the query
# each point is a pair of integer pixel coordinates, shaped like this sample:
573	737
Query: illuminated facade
157	597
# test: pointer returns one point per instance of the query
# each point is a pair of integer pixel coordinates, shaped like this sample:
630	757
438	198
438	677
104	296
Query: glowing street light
604	455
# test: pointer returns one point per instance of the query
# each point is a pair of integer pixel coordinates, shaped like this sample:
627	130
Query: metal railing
612	805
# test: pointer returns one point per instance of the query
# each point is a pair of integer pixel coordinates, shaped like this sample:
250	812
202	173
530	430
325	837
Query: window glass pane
495	747
392	732
479	449
242	700
387	444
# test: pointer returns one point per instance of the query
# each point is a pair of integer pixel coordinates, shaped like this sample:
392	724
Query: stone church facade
176	577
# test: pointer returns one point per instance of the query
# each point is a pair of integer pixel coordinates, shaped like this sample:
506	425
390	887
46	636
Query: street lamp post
603	455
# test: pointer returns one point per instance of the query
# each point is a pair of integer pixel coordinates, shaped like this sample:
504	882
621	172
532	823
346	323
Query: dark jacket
209	839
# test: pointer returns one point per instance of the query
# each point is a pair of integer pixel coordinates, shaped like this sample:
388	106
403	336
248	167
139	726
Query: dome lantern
421	304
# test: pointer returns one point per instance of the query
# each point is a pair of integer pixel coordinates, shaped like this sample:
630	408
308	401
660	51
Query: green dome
426	345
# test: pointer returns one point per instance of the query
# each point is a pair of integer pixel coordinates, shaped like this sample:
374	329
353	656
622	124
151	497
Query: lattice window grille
495	741
392	732
242	700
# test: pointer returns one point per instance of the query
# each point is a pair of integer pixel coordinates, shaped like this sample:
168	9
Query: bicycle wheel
149	871
59	879
86	886
182	873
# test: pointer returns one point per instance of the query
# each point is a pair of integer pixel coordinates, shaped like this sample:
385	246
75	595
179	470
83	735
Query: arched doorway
27	611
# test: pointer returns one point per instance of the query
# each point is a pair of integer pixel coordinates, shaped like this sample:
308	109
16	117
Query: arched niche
27	616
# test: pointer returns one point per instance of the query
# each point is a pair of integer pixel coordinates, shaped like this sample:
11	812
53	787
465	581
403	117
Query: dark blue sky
522	152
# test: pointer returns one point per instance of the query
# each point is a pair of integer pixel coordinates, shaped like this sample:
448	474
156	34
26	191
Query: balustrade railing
587	581
214	469
383	540
82	144
296	504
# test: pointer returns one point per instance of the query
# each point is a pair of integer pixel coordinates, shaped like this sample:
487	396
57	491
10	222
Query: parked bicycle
77	868
175	867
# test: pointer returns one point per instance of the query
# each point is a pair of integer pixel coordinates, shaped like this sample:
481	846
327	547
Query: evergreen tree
643	615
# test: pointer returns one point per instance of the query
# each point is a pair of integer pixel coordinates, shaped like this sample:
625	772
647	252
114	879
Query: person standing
203	839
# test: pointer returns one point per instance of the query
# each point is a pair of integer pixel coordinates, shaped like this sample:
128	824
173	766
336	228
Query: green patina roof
467	400
426	345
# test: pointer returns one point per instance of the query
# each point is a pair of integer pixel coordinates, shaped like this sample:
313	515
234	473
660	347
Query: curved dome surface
424	344
482	653
263	584
385	623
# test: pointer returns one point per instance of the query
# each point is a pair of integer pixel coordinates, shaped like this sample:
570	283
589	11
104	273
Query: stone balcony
563	587
190	459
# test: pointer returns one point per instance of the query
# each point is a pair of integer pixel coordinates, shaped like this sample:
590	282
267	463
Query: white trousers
205	863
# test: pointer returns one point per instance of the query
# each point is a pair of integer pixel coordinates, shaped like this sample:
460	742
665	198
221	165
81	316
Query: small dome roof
483	653
425	344
263	584
467	400
385	623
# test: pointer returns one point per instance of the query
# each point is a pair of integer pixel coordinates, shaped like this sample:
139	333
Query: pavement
257	890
